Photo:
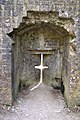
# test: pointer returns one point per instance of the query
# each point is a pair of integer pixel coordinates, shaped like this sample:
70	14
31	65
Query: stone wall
11	13
39	39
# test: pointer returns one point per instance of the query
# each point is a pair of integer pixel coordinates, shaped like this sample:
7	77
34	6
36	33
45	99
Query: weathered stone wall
33	43
11	13
40	32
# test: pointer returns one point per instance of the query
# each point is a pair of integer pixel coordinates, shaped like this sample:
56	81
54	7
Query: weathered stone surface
11	13
42	33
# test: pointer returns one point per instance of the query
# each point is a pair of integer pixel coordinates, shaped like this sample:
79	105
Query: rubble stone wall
11	13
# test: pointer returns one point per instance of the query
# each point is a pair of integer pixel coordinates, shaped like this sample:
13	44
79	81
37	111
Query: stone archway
41	33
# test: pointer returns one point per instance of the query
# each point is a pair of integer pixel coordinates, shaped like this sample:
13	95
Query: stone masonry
11	14
41	33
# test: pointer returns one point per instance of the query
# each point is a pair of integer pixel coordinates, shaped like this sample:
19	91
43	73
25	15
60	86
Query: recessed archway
41	33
